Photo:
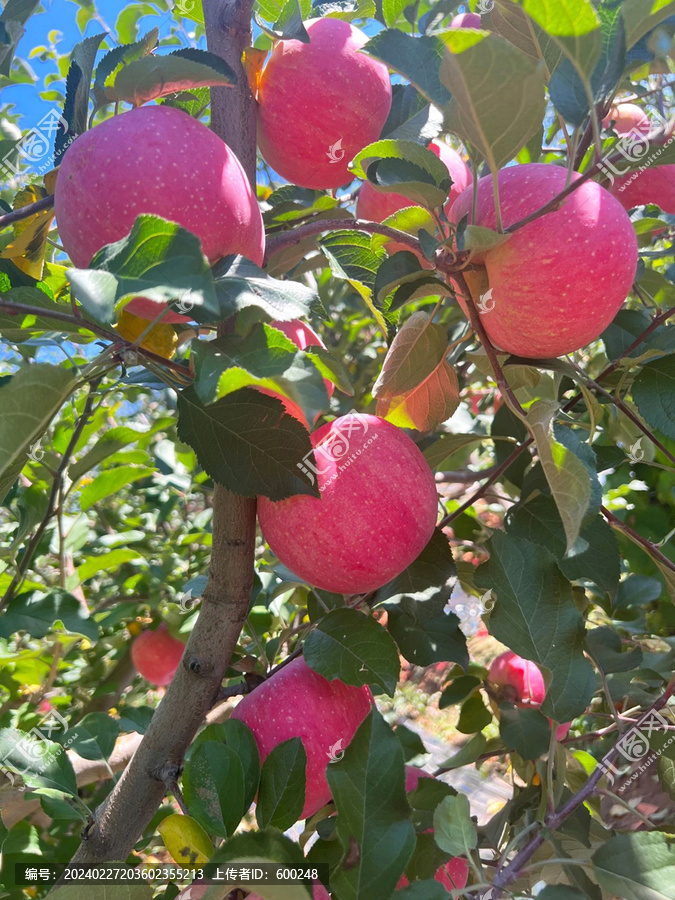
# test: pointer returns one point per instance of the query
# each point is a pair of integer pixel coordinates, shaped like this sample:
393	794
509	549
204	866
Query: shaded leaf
282	785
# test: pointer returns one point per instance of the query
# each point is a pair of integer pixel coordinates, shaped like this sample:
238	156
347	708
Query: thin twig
276	242
30	209
652	549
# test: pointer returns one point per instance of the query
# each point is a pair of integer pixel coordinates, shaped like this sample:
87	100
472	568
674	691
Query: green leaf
19	328
35	613
606	649
106	562
424	588
239	738
666	770
435	639
413	355
411	118
474	715
458	690
508	19
152	77
14	16
654	394
263	358
478	238
406	168
410	741
524	731
373	825
39	762
535	616
467	753
565	472
497	94
453	829
115	59
351	256
573	24
78	83
423	890
252	847
213	785
637	866
640	17
28	403
441	450
240	284
157	259
560	892
111	482
282	785
186	840
354	648
417	59
94	736
247	443
289	25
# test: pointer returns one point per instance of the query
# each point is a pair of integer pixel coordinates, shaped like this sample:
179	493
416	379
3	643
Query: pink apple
320	103
149	309
627	117
559	281
522	683
376	513
157	160
454	873
376	205
655	185
298	702
466	20
156	655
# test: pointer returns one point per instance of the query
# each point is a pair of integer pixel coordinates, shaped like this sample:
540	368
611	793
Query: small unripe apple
655	185
558	281
161	161
454	873
298	702
156	655
467	20
376	206
627	117
522	683
376	513
320	103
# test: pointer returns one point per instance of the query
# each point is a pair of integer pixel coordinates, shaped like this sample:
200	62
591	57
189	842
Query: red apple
522	683
158	160
320	103
376	205
454	873
627	117
145	308
466	20
298	702
656	184
376	513
156	655
559	281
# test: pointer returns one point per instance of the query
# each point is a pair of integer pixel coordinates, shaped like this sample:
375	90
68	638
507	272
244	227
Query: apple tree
323	324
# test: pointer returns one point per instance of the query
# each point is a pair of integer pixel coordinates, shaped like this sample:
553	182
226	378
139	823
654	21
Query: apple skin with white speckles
376	205
298	702
453	874
156	655
376	513
160	161
313	95
558	282
467	20
655	185
627	117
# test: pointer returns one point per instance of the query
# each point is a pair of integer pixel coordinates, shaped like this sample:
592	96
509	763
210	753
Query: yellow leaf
433	401
50	179
161	339
27	250
186	840
252	61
